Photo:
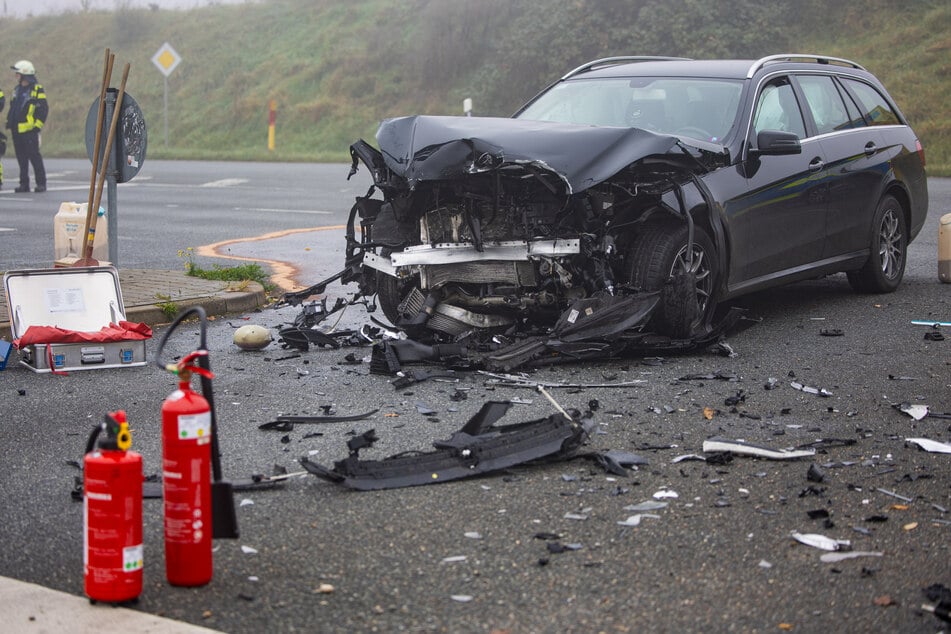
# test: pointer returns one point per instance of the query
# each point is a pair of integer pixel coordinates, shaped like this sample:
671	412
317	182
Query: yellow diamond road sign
166	59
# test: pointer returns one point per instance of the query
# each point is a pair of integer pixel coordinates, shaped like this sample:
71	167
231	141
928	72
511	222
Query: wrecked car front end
504	232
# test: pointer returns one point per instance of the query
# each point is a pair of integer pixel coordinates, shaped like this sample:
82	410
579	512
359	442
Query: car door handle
870	148
816	164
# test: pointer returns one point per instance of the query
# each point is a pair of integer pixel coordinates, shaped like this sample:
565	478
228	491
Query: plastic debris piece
635	520
915	411
934	335
894	495
764	564
814	474
246	502
424	409
648	505
664	494
324	588
473	535
932	446
575	516
941	610
821	541
910	526
454	559
719	444
688	456
461	598
832	558
247	550
819	391
831	332
521	380
884	601
709	413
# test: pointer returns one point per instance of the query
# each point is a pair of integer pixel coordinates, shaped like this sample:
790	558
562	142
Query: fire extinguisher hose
224	518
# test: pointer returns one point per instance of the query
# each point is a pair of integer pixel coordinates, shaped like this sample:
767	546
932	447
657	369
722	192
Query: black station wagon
633	195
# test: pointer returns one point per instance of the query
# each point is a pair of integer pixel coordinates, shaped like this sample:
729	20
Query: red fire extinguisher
186	478
112	513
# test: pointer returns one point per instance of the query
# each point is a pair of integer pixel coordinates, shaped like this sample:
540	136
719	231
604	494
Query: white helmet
24	67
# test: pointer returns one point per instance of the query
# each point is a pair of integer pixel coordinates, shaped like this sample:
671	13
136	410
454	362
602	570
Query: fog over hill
20	9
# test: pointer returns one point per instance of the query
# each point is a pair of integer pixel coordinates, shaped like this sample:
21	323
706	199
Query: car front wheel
885	267
658	258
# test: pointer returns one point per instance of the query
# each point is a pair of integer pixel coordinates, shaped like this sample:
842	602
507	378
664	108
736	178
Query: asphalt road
464	556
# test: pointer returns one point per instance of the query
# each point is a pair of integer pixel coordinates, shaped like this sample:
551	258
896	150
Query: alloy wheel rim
700	269
890	244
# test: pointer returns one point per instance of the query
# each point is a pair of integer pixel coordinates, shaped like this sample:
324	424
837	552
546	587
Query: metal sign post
166	60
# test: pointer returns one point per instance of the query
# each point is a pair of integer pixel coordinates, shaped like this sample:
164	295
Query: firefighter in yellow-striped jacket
25	119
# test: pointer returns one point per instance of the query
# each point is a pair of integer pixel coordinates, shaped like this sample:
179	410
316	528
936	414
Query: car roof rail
623	59
789	57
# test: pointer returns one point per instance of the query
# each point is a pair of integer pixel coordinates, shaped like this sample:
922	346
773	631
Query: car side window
825	104
874	106
777	109
858	121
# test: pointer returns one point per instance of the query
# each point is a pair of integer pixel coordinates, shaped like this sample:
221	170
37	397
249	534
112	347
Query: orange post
271	118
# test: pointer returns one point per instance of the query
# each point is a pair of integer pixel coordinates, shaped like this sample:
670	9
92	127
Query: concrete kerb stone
31	608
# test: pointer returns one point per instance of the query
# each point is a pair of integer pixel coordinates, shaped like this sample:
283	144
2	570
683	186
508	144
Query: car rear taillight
921	152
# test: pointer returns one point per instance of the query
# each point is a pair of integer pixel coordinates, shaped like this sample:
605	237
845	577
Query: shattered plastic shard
832	558
718	444
821	541
932	446
915	411
635	520
649	505
810	390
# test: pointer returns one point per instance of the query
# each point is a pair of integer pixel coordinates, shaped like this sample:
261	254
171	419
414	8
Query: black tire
655	256
885	267
389	294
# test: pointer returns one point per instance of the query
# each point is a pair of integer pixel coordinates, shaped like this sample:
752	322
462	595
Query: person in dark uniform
26	118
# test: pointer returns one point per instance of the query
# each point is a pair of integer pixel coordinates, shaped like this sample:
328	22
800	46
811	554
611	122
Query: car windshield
701	108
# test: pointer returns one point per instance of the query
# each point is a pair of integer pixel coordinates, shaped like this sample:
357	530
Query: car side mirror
777	143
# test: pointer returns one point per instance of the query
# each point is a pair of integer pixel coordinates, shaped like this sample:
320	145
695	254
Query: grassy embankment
336	68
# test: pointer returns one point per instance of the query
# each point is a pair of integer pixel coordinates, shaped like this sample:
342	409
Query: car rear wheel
885	267
658	256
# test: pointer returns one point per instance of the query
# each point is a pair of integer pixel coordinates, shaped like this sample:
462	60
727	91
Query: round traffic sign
131	137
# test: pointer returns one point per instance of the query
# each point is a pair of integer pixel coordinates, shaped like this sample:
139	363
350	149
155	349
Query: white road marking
226	182
285	211
7	229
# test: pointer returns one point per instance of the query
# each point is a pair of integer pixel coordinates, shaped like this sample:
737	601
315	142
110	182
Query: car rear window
874	106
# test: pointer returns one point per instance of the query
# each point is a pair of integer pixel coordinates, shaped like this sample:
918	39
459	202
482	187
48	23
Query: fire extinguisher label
194	426
132	558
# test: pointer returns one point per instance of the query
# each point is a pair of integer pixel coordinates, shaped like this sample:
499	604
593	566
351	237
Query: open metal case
83	299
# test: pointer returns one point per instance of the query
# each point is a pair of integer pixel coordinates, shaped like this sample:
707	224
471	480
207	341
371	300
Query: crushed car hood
426	148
